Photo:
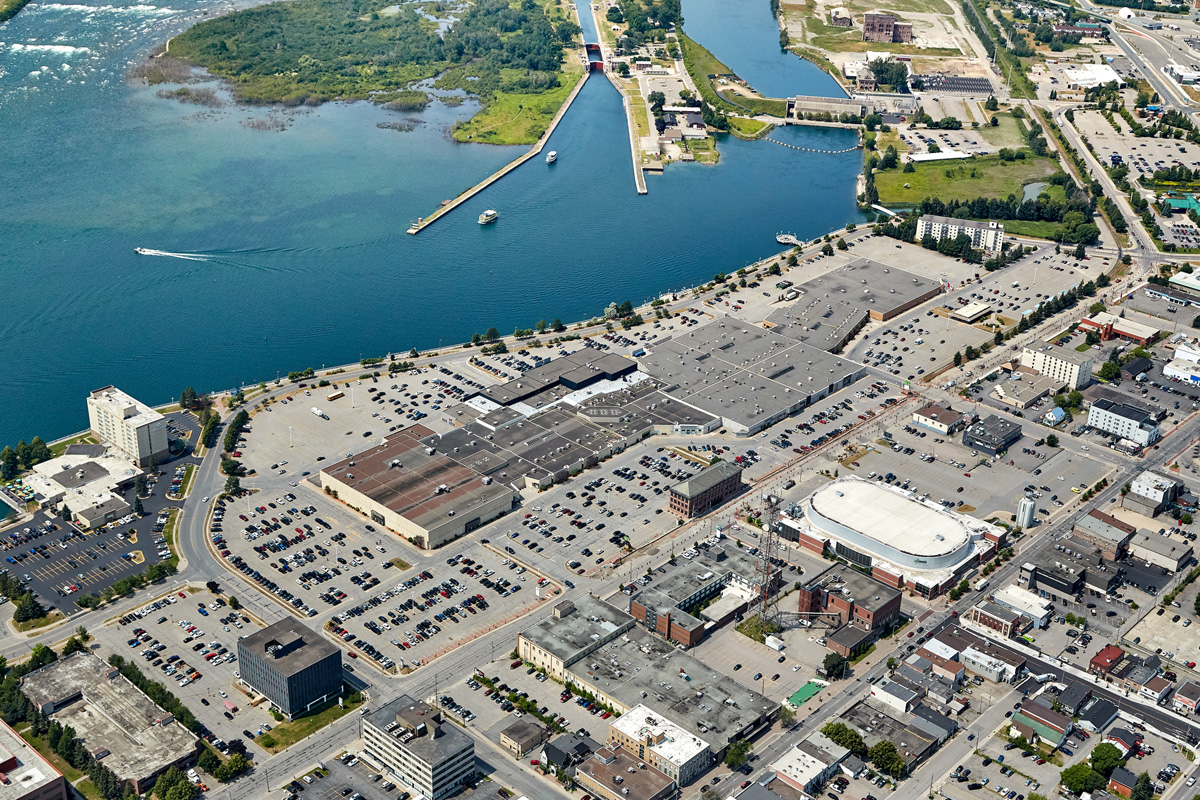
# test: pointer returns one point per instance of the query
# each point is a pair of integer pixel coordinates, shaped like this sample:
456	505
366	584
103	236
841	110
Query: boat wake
145	251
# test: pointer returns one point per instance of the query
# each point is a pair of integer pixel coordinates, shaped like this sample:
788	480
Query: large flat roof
288	646
891	517
411	475
642	668
744	373
109	713
123	405
576	625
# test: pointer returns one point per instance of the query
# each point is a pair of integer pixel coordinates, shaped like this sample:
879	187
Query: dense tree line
648	19
234	430
890	72
1075	213
15	459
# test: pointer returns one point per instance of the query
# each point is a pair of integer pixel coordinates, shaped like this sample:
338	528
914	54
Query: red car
181	594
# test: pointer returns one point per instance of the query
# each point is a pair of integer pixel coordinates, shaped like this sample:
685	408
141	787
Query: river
290	245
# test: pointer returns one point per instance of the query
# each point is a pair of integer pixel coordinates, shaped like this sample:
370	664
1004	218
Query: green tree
888	760
137	506
614	15
233	485
1142	790
1052	441
73	645
787	715
10	465
83	634
827	249
27	608
491	335
1105	758
1110	370
835	665
842	734
187	399
841	244
1081	778
234	603
1186	518
208	760
139	485
1075	398
735	755
1080	252
958	359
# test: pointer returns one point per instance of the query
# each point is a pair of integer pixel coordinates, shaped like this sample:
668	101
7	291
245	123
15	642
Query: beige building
1065	365
408	739
27	776
129	425
661	743
983	235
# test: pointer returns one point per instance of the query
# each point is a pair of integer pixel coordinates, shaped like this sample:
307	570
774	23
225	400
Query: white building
89	480
1089	76
984	235
127	424
811	763
408	740
1064	365
1134	424
1025	603
661	743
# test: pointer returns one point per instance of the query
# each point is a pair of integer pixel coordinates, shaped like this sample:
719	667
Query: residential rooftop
668	740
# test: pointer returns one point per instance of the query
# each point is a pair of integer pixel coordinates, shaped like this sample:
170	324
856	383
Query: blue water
587	22
295	240
745	36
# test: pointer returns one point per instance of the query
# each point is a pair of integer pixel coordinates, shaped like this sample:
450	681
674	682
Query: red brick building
705	490
1106	660
885	28
842	596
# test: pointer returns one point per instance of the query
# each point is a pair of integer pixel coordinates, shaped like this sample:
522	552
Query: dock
536	150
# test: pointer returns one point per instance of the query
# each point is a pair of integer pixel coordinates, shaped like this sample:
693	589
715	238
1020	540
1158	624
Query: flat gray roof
26	770
435	740
568	637
641	667
684	581
866	592
1162	545
293	646
109	713
744	373
706	478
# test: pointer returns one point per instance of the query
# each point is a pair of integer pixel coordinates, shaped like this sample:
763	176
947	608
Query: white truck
319	412
775	643
981	584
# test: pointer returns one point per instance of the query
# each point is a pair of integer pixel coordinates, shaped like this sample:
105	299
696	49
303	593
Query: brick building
705	490
1109	535
843	597
1106	660
885	28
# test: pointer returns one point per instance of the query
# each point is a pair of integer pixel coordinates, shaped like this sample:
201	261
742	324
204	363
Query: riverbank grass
509	118
980	176
750	128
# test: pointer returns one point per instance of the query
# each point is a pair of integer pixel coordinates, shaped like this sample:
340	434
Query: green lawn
700	64
58	448
69	772
40	622
750	128
982	176
757	105
287	734
1035	229
1008	133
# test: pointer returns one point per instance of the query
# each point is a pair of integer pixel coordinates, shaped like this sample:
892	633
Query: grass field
58	448
705	150
1036	229
757	105
700	64
40	622
286	734
1009	133
750	128
519	118
982	176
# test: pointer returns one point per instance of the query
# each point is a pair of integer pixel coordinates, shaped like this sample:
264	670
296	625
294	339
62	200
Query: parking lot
194	654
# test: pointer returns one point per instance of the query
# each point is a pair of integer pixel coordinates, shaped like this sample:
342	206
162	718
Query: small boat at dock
488	217
787	238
